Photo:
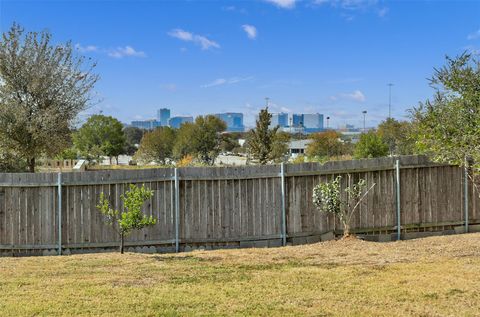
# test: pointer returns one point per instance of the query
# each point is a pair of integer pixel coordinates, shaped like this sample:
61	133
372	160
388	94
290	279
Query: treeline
44	87
391	137
196	143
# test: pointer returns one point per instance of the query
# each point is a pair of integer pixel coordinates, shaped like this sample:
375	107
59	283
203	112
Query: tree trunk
110	158
31	165
121	242
346	229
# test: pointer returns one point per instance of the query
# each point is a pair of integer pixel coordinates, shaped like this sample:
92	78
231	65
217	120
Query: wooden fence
213	207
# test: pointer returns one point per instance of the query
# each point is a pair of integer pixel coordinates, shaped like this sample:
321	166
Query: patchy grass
435	276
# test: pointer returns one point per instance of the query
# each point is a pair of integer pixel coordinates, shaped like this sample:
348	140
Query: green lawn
435	276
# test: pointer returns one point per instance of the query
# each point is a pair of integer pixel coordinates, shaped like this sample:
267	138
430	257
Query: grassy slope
429	277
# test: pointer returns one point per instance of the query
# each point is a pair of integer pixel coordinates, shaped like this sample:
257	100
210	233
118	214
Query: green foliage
207	140
229	143
43	88
370	145
201	139
397	134
280	147
156	145
132	218
261	140
328	198
10	163
447	127
299	159
326	145
69	153
100	135
133	137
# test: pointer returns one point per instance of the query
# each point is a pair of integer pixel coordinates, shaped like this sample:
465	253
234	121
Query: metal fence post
465	184
397	187
284	221
177	212
59	192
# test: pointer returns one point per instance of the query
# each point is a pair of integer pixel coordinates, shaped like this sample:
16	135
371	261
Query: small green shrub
327	197
132	218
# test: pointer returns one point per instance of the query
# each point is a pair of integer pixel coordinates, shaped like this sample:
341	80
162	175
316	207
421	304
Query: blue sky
195	57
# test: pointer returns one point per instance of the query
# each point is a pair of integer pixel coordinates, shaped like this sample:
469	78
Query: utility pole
364	115
390	100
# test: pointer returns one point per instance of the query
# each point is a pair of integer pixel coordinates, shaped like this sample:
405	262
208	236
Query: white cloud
120	52
181	35
348	4
234	9
250	30
356	96
226	81
349	7
474	35
284	4
86	49
200	40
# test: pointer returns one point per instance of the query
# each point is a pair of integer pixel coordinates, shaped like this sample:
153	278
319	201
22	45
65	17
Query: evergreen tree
261	139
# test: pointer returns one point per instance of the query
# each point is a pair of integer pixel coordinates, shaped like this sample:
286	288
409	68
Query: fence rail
228	207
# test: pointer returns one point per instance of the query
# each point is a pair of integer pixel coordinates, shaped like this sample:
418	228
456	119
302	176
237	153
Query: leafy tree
229	143
370	145
261	139
326	144
201	139
100	135
157	145
397	135
132	218
10	163
447	127
133	137
280	147
328	198
43	87
68	154
184	144
208	138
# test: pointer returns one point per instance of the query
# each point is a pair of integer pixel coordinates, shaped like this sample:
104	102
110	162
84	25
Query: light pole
267	101
328	118
364	115
390	100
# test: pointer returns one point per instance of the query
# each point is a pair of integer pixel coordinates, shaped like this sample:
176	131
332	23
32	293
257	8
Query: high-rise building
176	122
297	120
233	120
280	119
313	122
145	124
163	115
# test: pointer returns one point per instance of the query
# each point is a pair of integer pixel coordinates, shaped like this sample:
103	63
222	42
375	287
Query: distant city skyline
195	57
287	122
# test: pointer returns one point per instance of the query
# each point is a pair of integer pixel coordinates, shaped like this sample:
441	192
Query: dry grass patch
426	277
